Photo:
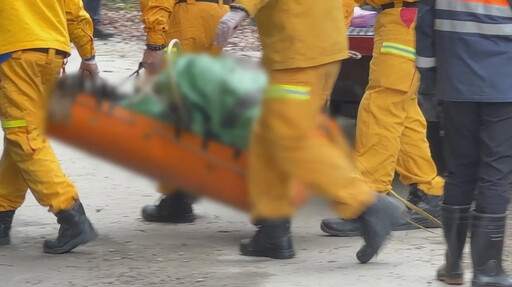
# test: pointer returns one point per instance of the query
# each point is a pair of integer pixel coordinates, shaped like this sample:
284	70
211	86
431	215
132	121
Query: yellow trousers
28	161
391	129
288	143
194	24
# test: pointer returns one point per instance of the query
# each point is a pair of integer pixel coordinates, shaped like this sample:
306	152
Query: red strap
408	15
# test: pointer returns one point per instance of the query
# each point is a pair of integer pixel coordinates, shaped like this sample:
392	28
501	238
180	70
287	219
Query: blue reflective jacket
464	49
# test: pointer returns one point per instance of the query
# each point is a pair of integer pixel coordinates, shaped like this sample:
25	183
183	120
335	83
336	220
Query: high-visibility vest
467	45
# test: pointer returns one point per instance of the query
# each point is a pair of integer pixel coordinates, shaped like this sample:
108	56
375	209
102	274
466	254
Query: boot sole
81	240
185	219
286	254
451	281
334	232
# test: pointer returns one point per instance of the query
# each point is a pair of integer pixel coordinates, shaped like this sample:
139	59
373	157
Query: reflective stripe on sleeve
425	62
474	7
472	27
288	92
14	124
399	49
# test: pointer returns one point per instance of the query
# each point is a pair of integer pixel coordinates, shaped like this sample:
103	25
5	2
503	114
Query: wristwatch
153	47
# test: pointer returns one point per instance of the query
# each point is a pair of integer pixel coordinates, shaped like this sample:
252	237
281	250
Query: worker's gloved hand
152	60
89	68
427	98
427	81
227	26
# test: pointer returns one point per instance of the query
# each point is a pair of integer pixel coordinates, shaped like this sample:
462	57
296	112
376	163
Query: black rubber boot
376	222
487	236
429	203
273	239
455	228
5	226
100	33
174	208
75	230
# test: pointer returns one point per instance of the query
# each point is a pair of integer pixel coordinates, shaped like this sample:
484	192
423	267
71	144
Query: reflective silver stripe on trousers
463	6
473	27
424	62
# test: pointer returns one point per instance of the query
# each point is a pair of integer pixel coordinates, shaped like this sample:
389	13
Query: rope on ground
418	210
409	205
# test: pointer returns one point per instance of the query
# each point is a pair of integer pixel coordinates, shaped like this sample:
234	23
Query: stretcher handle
354	55
174	48
173	51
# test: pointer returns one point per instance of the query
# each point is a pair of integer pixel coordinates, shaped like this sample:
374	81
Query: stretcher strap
288	92
14	124
173	52
398	49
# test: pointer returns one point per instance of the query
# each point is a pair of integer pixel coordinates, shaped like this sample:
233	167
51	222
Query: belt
404	5
226	2
47	50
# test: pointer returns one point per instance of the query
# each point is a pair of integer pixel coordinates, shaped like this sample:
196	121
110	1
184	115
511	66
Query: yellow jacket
45	24
155	16
349	6
299	33
161	29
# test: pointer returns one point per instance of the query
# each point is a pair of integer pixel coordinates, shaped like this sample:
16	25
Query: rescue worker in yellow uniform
193	23
302	51
391	129
35	40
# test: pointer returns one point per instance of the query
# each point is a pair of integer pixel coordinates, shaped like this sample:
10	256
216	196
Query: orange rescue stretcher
157	149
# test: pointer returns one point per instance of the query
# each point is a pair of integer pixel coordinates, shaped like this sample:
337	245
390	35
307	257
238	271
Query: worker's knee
493	200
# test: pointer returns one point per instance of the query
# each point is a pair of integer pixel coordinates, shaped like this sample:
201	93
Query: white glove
227	26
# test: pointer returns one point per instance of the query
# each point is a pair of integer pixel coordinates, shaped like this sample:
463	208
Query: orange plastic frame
155	149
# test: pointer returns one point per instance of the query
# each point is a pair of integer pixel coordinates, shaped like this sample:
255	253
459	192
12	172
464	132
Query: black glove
427	99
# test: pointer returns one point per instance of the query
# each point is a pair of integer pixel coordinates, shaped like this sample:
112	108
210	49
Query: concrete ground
130	252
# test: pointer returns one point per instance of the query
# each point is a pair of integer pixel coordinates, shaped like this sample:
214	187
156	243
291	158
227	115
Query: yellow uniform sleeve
80	28
251	6
348	6
155	16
